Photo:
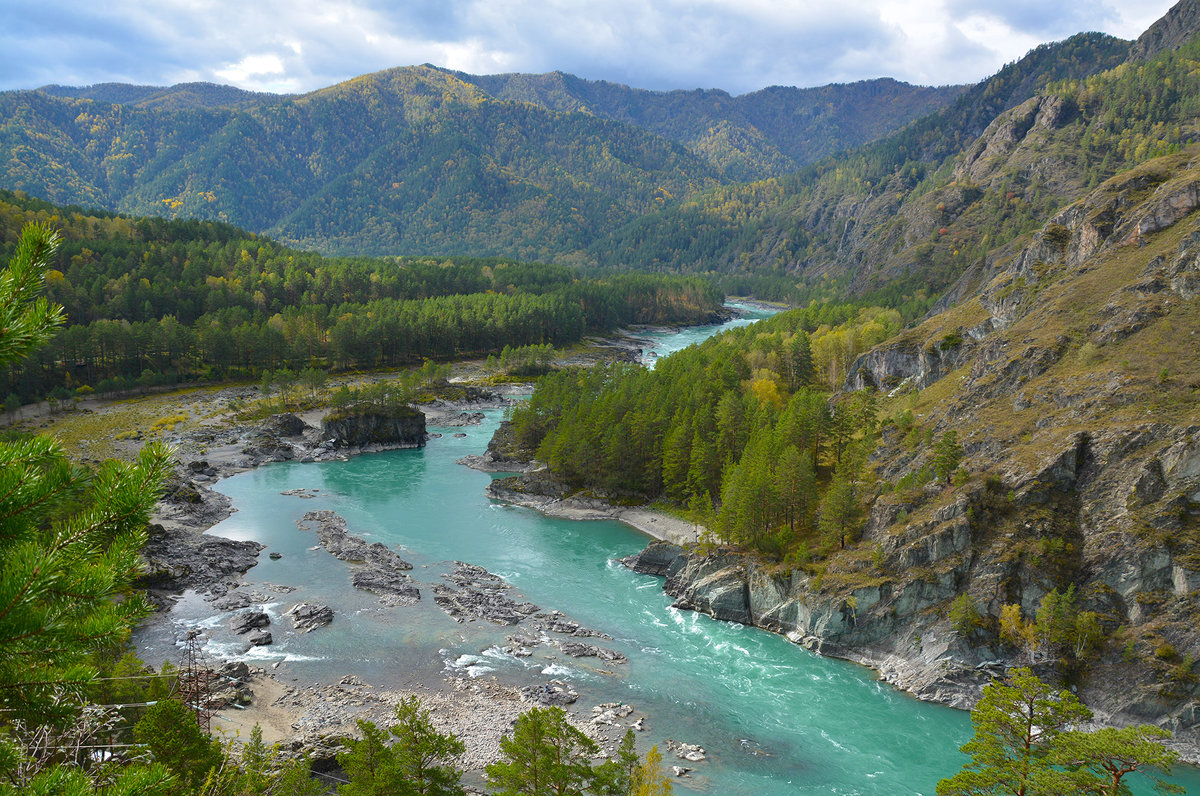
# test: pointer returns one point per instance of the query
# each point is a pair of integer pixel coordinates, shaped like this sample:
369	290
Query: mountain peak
1175	27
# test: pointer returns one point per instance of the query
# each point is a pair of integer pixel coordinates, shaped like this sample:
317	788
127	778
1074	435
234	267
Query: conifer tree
69	540
544	755
1016	724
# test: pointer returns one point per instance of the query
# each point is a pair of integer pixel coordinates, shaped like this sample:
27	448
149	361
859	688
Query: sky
293	46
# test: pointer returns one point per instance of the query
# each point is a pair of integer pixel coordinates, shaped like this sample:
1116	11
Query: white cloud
739	45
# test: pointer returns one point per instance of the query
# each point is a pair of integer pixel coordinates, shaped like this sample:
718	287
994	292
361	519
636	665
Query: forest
738	431
151	301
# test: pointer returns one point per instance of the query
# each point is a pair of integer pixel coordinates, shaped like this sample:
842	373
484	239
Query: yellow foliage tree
649	779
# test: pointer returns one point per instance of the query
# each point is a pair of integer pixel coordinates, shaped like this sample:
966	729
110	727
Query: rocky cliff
1068	370
399	427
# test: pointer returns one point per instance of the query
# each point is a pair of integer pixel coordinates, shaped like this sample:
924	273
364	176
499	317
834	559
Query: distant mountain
752	136
865	218
181	96
422	160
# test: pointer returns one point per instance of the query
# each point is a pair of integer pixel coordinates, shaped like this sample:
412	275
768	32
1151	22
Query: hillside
879	205
421	160
152	302
753	136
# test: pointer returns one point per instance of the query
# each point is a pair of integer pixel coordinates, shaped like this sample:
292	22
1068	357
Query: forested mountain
420	160
765	133
873	205
181	96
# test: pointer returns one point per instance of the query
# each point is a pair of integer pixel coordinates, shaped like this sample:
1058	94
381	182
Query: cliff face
404	427
1173	29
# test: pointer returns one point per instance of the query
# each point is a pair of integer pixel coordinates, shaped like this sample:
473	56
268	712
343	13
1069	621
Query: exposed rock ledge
910	646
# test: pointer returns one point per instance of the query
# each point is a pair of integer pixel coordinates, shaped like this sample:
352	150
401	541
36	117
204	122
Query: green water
774	718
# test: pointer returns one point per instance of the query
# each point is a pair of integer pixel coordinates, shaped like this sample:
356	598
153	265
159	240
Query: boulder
310	616
247	621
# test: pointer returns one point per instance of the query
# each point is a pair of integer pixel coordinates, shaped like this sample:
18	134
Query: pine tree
544	755
946	456
417	763
1016	723
69	540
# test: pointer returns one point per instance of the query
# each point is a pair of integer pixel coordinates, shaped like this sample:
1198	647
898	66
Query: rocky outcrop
657	558
248	621
471	592
402	427
309	616
377	568
178	559
1175	28
503	454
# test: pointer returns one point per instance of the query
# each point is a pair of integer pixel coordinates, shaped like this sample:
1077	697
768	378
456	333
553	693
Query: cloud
738	45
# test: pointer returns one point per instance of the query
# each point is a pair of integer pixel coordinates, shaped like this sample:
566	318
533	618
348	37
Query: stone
247	621
309	616
259	638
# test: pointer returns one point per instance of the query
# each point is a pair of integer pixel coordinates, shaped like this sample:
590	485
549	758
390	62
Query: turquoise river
774	718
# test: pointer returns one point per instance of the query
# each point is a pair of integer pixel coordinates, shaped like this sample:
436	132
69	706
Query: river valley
773	718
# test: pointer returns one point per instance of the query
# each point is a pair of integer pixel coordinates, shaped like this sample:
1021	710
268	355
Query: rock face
404	427
1173	29
178	559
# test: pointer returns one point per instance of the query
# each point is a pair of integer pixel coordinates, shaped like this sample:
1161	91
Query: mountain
752	136
871	205
420	159
181	96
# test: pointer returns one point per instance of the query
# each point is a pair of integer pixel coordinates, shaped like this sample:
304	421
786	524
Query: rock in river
310	616
247	621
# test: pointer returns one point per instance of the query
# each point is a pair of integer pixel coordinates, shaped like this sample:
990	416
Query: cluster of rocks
237	600
553	693
471	592
252	624
686	751
230	685
377	568
309	616
578	649
178	559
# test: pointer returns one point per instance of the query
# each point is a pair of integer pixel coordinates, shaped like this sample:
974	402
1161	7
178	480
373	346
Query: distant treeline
152	301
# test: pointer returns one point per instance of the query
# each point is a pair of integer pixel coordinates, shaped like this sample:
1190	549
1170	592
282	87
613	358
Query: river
774	718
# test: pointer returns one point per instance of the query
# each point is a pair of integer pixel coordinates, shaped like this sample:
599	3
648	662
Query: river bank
190	565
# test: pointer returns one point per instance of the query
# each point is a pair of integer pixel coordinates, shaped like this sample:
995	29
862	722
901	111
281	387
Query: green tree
417	762
69	541
841	513
423	753
544	756
1098	762
946	456
313	380
169	730
1016	725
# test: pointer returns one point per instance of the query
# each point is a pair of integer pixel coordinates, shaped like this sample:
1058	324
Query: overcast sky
736	45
